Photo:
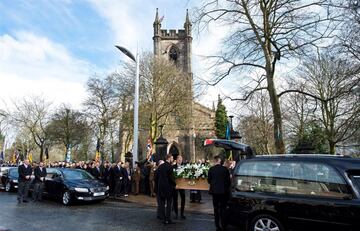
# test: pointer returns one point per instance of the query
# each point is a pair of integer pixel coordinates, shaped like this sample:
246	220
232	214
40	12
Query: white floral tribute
192	171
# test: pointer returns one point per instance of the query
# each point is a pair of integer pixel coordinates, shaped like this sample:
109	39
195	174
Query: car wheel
66	198
7	186
265	222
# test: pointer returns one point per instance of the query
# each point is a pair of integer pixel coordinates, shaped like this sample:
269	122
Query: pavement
135	213
204	206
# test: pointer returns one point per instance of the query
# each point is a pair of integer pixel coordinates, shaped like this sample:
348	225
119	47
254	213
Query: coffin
192	184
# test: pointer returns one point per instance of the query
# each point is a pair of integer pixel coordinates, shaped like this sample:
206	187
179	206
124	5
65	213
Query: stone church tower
176	45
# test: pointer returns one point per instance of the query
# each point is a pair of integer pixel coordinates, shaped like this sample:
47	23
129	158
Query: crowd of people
151	178
121	177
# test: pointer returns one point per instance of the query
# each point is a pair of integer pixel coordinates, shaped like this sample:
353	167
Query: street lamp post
136	100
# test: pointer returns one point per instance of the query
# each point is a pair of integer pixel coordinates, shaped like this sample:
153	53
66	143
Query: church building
176	45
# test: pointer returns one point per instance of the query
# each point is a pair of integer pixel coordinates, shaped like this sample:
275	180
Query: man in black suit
178	163
118	177
40	174
24	179
96	171
219	180
108	177
126	179
165	181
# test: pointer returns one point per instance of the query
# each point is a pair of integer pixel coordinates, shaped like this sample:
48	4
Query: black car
295	192
70	185
9	178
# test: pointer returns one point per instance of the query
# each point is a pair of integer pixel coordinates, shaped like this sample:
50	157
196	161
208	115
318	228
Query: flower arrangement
192	171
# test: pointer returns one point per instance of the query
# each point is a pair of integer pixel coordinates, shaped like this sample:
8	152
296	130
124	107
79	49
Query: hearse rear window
287	177
290	170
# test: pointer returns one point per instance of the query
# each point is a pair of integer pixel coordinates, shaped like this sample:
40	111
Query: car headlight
15	181
82	190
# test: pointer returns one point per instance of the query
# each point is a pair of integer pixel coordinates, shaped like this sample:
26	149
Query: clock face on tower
173	54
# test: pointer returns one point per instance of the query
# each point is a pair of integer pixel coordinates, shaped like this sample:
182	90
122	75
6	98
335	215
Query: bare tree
124	84
165	98
68	127
299	112
102	106
334	78
3	128
350	36
256	127
261	33
4	122
32	114
24	142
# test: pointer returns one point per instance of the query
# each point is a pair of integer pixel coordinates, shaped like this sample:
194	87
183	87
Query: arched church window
173	54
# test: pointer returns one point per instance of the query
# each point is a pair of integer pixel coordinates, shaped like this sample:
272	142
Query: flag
162	18
68	154
97	152
148	148
228	137
228	134
30	157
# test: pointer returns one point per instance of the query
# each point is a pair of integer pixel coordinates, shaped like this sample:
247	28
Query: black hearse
295	192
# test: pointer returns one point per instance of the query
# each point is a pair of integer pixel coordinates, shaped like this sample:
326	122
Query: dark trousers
182	201
118	188
126	186
23	191
38	190
147	185
109	182
165	208
158	215
219	203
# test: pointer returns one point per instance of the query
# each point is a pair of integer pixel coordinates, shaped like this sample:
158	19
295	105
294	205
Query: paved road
108	215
